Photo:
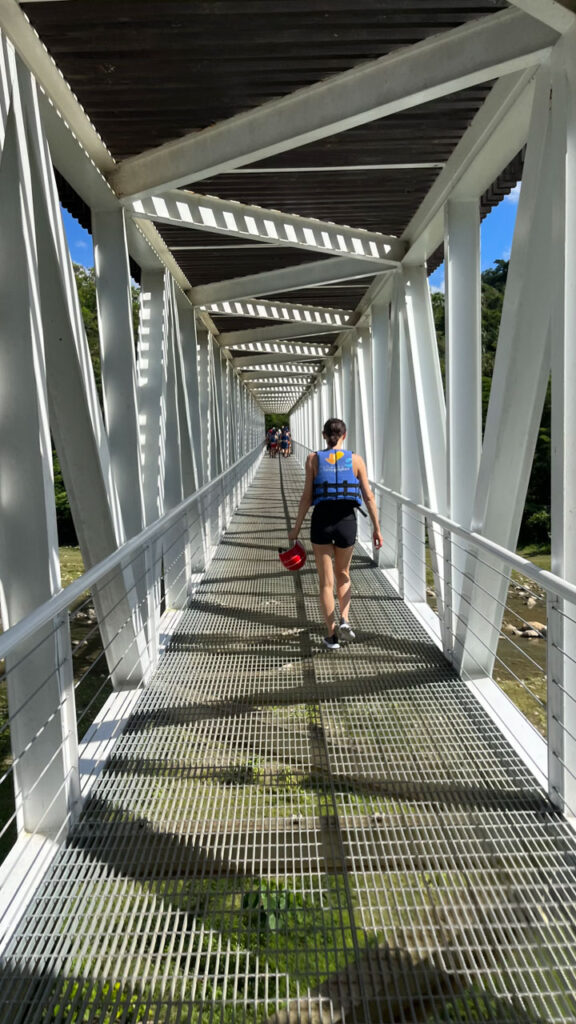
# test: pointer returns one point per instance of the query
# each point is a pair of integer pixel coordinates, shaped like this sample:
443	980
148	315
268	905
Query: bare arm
306	499
359	467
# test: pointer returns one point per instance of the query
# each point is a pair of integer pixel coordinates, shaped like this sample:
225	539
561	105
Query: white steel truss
303	275
208	213
281	358
186	412
282	311
236	339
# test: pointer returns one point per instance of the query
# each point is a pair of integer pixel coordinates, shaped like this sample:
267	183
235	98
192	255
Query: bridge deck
290	834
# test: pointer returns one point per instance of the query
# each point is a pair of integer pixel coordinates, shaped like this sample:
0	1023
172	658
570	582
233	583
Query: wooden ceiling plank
476	52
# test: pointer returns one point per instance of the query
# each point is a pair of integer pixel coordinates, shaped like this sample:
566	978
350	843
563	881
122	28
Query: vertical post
518	390
381	350
118	364
192	450
348	404
386	324
39	677
562	615
174	548
152	369
412	532
337	391
365	407
463	376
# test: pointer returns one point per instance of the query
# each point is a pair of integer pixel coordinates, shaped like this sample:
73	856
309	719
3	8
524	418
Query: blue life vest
335	480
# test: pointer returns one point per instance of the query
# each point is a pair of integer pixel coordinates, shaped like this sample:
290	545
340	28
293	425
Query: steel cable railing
60	665
480	596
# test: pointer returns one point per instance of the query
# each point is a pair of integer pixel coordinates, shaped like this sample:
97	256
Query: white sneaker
345	631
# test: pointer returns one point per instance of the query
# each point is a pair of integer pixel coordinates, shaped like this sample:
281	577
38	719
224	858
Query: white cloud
438	287
80	244
506	254
514	195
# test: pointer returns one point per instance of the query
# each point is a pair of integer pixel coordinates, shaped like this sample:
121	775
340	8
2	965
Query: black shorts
334	522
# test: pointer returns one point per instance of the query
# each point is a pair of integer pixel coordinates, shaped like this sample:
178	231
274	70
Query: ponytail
333	430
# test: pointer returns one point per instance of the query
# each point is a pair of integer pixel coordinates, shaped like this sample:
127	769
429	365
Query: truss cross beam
221	216
283	311
304	275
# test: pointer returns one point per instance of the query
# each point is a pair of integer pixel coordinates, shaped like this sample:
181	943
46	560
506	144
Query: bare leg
323	554
342	559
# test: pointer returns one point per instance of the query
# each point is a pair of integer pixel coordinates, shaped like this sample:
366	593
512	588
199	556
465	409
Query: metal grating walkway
287	834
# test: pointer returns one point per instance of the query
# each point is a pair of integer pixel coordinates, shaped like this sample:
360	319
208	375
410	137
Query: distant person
285	442
272	443
336	481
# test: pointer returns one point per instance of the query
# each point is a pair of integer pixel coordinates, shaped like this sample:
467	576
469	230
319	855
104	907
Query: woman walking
336	481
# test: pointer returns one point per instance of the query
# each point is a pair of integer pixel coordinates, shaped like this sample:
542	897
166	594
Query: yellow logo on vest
334	456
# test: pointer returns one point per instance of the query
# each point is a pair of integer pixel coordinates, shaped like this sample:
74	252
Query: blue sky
496	238
79	241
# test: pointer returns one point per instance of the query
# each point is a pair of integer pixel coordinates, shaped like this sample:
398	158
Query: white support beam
303	275
174	542
75	417
152	370
114	296
264	309
77	149
463	355
343	168
496	134
463	381
386	426
469	55
38	676
561	618
429	405
364	409
519	381
558	14
411	533
283	376
280	349
427	382
282	358
235	339
224	216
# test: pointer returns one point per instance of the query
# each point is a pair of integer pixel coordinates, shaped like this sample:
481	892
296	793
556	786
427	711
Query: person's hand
377	539
293	535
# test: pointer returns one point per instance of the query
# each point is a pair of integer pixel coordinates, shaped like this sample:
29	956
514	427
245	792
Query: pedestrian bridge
204	815
275	832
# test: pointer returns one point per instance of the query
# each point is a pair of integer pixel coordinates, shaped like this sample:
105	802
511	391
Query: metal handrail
547	580
60	602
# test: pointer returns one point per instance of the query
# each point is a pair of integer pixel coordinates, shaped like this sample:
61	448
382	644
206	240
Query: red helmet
293	558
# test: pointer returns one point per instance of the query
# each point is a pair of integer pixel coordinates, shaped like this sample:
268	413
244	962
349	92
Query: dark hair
333	430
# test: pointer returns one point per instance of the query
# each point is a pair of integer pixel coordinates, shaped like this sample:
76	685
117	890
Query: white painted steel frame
476	52
221	216
48	387
396	418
